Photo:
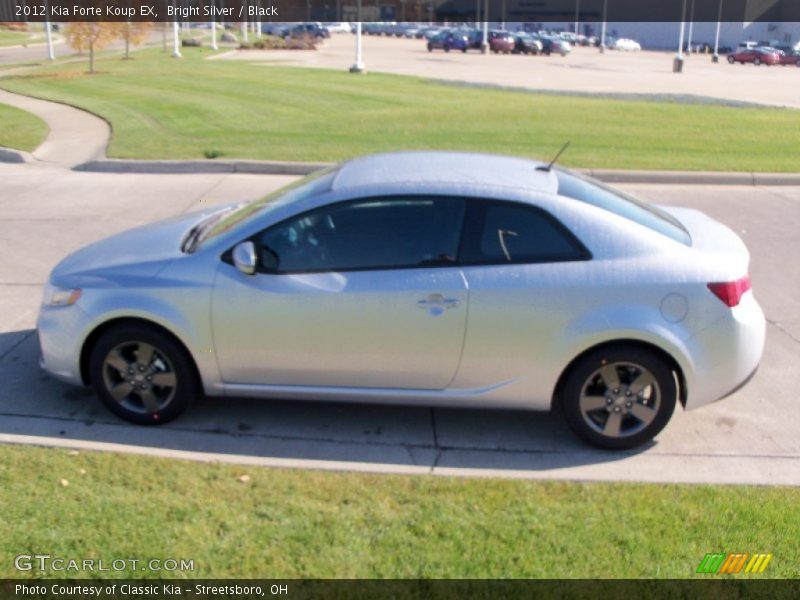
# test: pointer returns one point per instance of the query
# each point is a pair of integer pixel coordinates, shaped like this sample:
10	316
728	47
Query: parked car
791	57
475	39
501	42
434	278
448	40
338	27
527	44
757	56
626	45
314	30
551	45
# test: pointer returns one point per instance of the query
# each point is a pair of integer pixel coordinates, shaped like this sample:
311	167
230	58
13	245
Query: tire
618	421
731	60
168	362
756	61
464	50
447	48
430	48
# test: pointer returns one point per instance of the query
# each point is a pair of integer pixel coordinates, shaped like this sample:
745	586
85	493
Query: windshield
600	195
310	185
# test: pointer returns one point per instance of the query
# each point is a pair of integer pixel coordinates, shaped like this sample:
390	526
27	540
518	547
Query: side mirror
244	257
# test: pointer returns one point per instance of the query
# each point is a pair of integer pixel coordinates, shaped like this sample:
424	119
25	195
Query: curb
253	167
257	167
9	155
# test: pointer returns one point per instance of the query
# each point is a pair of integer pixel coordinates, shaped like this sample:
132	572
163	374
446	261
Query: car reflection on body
427	278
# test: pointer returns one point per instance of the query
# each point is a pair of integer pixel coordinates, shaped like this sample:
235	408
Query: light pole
603	27
477	14
485	41
691	27
47	29
358	67
214	35
577	14
176	40
677	64
715	58
243	29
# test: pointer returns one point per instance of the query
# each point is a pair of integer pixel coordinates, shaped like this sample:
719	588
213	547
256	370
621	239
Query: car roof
436	168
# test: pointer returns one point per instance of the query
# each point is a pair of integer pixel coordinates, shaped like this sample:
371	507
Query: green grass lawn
294	523
165	108
20	129
15	38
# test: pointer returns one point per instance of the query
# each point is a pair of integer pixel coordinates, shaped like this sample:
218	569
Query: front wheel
619	397
143	375
757	62
430	48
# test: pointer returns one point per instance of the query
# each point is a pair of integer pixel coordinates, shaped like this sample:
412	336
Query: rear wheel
142	375
731	60
619	397
757	61
430	48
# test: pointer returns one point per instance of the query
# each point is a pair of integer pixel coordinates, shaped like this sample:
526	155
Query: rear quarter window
602	196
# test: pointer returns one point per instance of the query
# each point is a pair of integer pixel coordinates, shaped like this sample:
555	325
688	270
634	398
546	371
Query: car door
364	293
524	270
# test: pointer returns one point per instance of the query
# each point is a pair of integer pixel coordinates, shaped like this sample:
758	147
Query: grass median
20	129
162	108
295	523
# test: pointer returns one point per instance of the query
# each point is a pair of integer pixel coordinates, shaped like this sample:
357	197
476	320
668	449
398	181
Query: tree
90	36
133	33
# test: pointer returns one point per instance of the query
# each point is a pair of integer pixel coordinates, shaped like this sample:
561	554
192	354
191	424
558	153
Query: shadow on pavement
34	404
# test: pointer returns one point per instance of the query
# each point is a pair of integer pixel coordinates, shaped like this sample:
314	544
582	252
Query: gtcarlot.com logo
46	562
733	563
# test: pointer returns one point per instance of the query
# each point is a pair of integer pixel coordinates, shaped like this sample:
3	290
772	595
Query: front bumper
61	331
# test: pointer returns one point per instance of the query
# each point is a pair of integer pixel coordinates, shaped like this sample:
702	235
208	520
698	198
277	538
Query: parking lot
49	211
585	70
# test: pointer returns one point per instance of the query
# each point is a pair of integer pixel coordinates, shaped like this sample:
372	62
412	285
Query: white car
421	278
626	45
338	27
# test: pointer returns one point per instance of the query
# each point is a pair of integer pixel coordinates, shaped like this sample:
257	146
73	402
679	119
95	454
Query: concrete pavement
584	72
49	211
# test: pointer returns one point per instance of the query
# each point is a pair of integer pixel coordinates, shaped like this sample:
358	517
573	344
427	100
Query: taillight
730	292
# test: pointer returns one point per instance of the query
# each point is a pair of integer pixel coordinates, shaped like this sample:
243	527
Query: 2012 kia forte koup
440	279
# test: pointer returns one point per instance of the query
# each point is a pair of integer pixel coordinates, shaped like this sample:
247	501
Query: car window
377	233
316	183
598	194
507	233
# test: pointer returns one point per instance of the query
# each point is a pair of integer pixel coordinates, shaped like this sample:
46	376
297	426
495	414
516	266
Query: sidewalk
75	136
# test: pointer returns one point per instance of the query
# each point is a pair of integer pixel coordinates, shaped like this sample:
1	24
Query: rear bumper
726	354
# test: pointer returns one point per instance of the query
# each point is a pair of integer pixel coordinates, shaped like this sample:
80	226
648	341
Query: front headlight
58	296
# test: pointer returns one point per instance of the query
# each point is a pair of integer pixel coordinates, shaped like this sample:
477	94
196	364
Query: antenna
552	162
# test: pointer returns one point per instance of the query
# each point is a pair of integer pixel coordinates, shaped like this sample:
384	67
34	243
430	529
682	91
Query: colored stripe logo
733	563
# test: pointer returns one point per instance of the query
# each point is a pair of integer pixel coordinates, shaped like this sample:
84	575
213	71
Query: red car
791	58
757	56
501	41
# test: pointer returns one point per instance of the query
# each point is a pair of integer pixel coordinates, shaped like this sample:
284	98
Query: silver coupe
426	278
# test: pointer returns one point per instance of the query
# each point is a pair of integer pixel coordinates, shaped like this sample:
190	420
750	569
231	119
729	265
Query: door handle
437	301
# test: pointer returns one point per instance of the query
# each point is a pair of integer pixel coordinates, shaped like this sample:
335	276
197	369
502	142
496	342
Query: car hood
143	251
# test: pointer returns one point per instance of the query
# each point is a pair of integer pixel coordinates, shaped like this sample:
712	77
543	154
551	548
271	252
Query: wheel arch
670	360
91	340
